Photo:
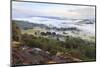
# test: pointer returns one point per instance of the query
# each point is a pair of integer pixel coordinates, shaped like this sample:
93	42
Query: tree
16	32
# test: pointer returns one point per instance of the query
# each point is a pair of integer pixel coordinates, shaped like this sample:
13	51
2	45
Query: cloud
41	9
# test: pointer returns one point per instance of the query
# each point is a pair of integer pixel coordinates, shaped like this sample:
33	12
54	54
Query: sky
31	9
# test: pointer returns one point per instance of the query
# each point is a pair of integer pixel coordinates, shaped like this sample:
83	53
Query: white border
5	33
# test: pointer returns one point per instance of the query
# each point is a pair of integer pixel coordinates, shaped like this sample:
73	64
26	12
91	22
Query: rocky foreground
25	55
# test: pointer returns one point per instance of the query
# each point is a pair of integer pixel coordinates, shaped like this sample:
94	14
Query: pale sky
31	9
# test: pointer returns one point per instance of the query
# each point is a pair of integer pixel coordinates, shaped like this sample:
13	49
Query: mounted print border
52	33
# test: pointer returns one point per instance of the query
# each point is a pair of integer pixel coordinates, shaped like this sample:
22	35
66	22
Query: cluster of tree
77	47
64	29
48	33
44	43
16	32
83	49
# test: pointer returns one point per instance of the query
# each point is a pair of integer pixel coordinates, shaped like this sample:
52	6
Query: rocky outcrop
35	56
29	56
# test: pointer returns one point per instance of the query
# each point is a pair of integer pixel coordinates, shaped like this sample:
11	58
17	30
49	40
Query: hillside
27	25
44	49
